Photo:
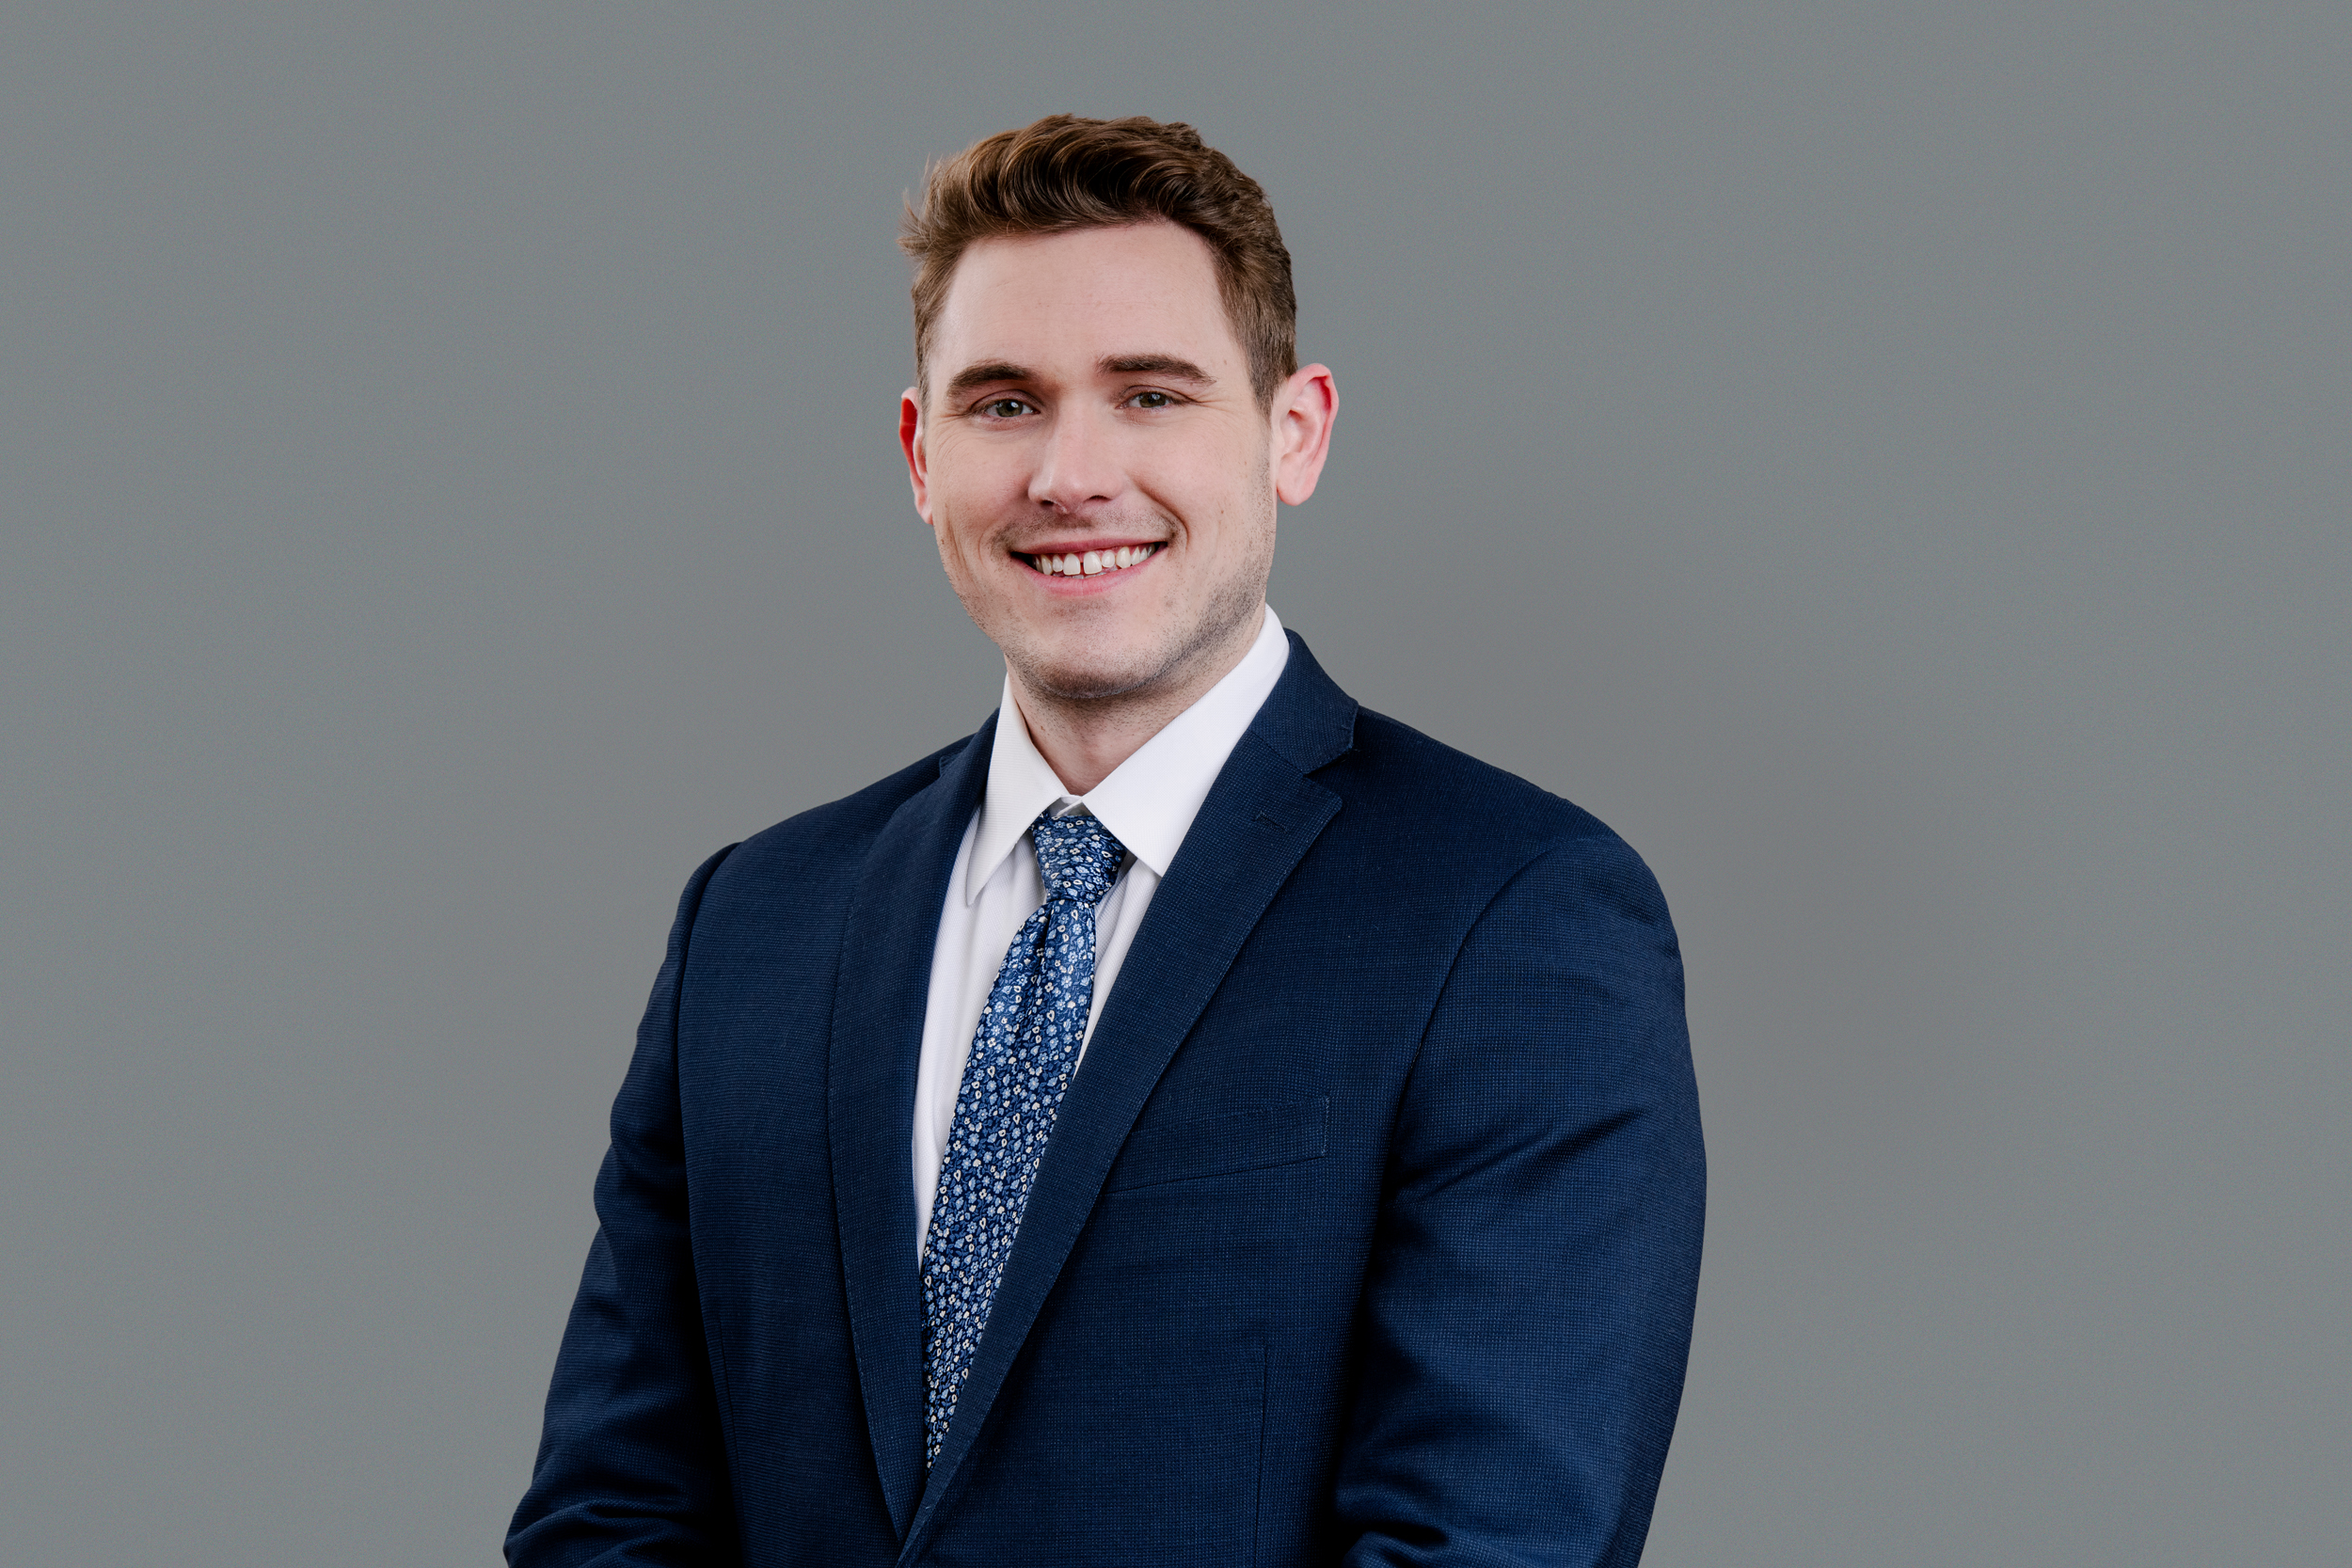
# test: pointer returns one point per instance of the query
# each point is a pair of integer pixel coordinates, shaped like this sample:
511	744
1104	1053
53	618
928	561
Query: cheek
1221	487
980	475
971	537
957	548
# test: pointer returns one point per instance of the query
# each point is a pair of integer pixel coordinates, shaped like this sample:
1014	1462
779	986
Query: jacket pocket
1254	1139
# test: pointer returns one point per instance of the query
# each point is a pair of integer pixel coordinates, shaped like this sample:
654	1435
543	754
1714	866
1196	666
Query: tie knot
1076	856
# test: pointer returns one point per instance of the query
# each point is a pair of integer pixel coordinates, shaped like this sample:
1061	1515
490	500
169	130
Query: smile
1092	563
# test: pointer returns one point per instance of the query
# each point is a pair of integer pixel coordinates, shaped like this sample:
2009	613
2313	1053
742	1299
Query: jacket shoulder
1390	758
1429	801
828	842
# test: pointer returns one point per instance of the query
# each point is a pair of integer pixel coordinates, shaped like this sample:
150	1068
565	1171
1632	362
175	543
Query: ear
911	442
1303	410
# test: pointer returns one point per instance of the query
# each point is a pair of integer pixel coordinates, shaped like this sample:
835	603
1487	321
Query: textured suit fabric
1368	1232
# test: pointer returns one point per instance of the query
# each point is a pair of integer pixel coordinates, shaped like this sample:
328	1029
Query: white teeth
1094	562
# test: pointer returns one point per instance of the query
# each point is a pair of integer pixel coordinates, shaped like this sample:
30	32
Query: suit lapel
1259	819
876	1041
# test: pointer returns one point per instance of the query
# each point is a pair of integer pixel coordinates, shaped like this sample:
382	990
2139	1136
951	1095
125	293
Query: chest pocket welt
1219	1146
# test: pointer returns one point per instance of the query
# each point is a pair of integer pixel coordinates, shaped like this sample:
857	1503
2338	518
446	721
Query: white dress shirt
1148	803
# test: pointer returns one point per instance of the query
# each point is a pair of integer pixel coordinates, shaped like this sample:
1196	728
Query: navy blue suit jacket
1368	1231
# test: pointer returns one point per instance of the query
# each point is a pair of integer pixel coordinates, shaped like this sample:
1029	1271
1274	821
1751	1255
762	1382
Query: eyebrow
973	377
993	372
1158	364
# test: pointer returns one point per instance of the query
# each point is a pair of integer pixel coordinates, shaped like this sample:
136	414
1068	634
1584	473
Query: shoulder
1458	800
838	824
1440	815
827	845
1560	937
1425	826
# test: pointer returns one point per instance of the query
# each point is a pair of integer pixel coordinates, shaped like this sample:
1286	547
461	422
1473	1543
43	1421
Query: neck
1084	739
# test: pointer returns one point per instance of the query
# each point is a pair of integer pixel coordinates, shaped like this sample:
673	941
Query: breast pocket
1253	1139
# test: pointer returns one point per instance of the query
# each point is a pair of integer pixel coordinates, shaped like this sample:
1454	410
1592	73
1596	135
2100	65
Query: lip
1080	547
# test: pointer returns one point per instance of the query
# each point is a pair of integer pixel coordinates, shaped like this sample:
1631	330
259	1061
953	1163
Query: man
1192	1120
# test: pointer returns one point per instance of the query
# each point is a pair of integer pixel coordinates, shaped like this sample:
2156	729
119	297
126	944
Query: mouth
1091	563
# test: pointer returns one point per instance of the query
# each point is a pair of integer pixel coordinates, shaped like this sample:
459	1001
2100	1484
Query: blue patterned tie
1022	1054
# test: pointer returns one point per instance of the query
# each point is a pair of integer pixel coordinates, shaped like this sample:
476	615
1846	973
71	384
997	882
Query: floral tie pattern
1030	1030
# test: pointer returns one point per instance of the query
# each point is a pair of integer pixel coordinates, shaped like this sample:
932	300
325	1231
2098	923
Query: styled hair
1063	173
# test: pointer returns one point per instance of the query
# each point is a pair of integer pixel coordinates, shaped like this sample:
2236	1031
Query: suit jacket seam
1454	964
685	948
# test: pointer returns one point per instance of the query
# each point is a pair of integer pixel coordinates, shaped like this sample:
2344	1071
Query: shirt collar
1148	800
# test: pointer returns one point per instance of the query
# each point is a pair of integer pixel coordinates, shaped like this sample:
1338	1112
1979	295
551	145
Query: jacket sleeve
1527	1312
631	1469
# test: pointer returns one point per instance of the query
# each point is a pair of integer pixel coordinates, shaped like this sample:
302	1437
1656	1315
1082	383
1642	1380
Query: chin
1087	674
1085	680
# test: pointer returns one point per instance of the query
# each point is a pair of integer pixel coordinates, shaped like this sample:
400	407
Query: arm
630	1468
1526	1311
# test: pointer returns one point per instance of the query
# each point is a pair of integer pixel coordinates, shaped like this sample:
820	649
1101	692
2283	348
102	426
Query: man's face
1089	403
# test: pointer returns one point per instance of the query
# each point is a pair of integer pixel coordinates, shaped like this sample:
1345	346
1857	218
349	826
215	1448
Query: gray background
1891	463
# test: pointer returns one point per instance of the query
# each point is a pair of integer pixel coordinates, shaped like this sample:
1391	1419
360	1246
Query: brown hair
1063	173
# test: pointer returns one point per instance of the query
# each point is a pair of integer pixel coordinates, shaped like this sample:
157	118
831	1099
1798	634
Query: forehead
1085	294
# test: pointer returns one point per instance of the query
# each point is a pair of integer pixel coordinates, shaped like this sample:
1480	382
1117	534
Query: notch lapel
877	1040
1258	821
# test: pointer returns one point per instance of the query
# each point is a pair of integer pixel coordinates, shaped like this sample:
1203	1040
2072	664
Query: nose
1078	463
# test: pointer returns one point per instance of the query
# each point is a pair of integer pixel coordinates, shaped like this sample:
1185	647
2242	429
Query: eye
1151	399
1006	408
